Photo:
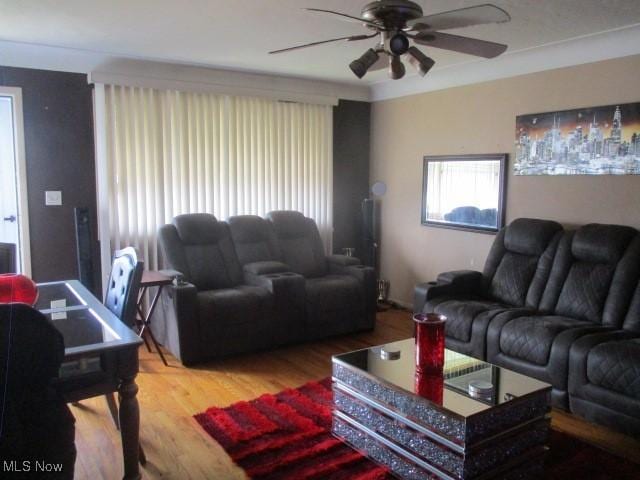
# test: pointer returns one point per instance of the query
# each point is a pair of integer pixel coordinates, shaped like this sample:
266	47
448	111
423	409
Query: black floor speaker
369	232
84	246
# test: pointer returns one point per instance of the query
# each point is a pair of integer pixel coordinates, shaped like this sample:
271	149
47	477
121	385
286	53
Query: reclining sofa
253	283
559	306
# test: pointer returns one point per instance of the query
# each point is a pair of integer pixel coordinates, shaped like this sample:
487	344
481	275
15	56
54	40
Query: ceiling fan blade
344	16
463	17
352	38
456	43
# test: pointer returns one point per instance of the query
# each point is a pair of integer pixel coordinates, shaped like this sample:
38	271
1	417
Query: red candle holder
16	288
430	386
429	342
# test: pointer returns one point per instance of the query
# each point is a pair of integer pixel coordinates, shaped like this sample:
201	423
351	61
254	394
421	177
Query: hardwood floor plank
176	446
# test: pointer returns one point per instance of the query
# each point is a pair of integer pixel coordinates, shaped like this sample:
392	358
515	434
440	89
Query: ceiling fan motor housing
392	14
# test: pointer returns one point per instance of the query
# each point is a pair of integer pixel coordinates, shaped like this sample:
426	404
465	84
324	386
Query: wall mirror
464	192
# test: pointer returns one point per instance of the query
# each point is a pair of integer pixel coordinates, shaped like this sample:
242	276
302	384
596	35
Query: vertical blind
173	152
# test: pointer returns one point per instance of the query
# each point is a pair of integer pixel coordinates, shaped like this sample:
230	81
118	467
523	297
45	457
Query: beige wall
481	119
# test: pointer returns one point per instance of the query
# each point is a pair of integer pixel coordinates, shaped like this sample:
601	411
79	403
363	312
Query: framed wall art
585	141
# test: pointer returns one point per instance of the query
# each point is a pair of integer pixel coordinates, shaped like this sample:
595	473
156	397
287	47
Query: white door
13	224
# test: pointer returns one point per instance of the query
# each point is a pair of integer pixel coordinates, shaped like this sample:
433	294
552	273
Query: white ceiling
236	34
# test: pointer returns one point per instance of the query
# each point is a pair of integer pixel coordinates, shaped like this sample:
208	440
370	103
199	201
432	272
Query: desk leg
129	427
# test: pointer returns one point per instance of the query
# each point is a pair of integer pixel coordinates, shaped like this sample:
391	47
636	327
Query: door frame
21	172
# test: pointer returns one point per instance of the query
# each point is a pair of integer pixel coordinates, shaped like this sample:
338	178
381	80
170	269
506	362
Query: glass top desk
473	420
101	357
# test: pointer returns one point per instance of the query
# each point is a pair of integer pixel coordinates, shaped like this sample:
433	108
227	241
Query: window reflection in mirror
464	192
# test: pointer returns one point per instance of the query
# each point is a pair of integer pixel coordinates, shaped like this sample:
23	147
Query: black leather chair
340	293
121	297
211	312
586	293
513	279
8	258
604	369
37	424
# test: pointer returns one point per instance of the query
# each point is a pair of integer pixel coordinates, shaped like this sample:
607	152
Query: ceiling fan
398	22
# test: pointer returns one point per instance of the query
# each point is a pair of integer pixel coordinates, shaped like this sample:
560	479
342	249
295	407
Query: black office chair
121	297
36	422
8	258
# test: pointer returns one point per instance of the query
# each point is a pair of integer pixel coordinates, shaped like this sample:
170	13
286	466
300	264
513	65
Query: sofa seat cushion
616	366
334	292
531	338
229	306
460	313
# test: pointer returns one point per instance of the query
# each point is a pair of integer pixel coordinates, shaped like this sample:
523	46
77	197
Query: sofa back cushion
201	248
254	239
299	242
632	318
517	266
587	266
628	279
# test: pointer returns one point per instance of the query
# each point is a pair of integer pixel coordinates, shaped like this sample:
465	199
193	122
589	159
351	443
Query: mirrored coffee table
472	421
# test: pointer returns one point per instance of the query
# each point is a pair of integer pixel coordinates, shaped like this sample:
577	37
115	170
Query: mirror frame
501	157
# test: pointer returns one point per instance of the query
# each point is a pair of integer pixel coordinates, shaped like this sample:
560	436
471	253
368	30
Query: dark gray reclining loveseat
253	283
558	306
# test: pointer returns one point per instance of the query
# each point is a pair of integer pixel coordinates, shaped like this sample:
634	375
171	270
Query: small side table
150	278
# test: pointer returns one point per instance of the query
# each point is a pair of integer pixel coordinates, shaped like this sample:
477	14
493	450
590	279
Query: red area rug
288	436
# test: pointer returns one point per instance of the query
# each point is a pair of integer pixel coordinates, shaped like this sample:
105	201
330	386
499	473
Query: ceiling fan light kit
361	65
398	22
396	68
420	61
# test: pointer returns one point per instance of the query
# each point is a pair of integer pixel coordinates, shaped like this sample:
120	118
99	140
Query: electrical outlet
53	198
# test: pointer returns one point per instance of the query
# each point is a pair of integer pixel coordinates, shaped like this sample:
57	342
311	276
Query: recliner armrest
448	283
263	268
287	288
181	325
465	279
342	261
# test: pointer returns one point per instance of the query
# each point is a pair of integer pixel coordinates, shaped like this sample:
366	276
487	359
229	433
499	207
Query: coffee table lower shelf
407	466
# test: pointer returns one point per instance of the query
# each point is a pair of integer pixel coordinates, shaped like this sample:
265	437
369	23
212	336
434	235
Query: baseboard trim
401	303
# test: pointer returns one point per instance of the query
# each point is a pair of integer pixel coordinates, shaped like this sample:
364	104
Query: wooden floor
174	443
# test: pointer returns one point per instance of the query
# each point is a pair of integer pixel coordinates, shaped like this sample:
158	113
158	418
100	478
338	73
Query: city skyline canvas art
587	141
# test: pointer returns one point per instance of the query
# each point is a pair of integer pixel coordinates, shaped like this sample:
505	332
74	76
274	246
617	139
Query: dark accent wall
58	131
351	122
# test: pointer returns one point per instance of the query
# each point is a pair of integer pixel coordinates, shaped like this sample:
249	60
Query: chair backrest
300	243
632	318
589	280
200	247
254	239
627	281
8	258
31	351
518	264
124	284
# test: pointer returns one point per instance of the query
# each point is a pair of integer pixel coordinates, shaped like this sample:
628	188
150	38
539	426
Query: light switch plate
53	198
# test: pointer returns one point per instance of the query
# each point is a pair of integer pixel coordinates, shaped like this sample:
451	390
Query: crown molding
590	48
108	68
621	42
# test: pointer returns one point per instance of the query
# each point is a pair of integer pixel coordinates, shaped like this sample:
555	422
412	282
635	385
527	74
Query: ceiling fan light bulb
396	68
399	44
420	61
360	66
